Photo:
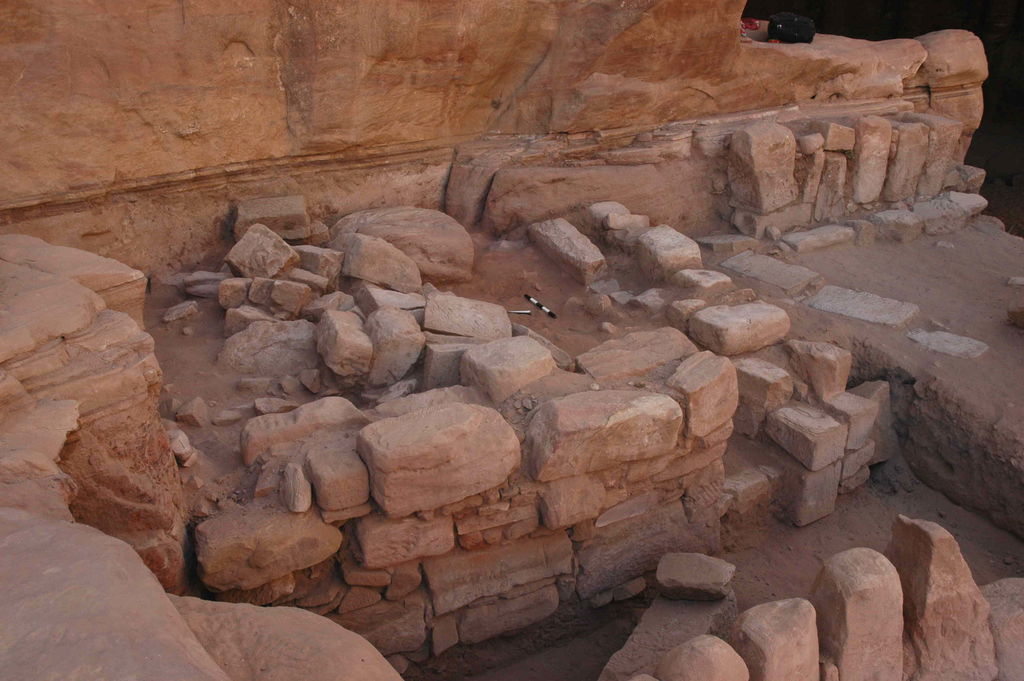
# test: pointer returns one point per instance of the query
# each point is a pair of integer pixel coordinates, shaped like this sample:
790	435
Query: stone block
397	344
836	137
290	296
870	157
284	215
859	602
568	501
701	283
663	251
705	386
778	640
261	253
628	548
864	306
859	415
820	237
627	221
323	262
783	220
479	623
901	226
324	416
338	476
678	312
460	577
295	491
375	260
1006	599
457	316
564	244
761	166
727	243
694	577
946	616
907	164
830	202
390	542
233	292
826	367
635	354
763	387
371	298
703	658
390	626
503	367
943	149
441	364
812	437
343	344
594	430
791	279
250	546
270	348
434	457
739	329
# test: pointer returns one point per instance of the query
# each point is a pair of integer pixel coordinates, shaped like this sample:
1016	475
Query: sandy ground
777	560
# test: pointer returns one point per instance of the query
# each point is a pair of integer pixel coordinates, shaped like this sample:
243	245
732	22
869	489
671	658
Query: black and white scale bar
541	305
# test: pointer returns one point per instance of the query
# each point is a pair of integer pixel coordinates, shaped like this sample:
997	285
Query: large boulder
281	644
859	601
261	253
378	262
945	612
433	457
441	248
78	604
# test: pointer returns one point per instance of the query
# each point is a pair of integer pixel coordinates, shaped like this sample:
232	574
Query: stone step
792	279
864	306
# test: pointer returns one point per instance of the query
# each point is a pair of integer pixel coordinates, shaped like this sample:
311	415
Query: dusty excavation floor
957	280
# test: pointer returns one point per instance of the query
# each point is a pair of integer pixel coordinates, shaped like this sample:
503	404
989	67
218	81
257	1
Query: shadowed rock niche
488	328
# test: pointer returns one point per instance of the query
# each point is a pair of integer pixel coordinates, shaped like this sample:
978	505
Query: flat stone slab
819	238
863	306
949	343
792	279
728	243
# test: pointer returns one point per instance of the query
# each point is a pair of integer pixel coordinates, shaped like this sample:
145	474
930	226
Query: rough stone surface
434	457
635	354
945	613
466	317
275	644
761	165
792	279
271	348
338	476
248	547
261	253
819	238
344	345
901	226
859	602
73	584
628	548
826	367
594	430
703	658
663	250
389	542
737	329
377	261
439	246
567	501
563	243
397	344
502	367
1006	599
486	621
694	577
664	626
763	388
706	387
778	640
864	306
390	626
327	416
284	215
814	438
460	577
949	343
857	413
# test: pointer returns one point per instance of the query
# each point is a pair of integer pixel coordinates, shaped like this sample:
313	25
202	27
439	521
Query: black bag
787	27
